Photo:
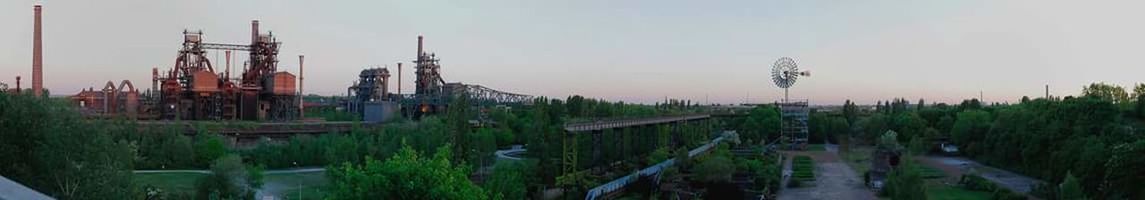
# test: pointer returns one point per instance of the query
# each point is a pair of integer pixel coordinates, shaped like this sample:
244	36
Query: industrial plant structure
194	90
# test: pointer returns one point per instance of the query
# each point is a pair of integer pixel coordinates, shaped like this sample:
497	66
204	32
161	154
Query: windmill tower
793	113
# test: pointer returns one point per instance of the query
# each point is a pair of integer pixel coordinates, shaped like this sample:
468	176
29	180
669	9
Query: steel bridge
617	185
485	94
596	130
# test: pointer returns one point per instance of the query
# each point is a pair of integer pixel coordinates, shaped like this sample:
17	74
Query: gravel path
834	180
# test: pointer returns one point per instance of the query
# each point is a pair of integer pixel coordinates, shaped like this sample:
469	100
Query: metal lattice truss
483	93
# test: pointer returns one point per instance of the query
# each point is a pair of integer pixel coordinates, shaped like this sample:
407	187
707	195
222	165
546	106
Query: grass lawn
929	172
945	192
287	185
859	158
169	181
803	168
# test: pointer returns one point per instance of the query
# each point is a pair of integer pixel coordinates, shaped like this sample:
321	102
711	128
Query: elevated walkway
653	171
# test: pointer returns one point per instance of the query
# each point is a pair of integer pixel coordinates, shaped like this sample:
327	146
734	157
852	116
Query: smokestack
253	31
301	110
154	79
227	72
419	39
37	56
399	80
17	84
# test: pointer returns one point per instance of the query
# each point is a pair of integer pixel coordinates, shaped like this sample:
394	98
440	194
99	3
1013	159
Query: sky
639	51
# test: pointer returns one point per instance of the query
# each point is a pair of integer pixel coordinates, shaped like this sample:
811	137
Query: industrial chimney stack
37	57
301	108
419	52
253	31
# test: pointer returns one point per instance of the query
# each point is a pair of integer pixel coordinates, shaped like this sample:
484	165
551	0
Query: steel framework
194	90
793	125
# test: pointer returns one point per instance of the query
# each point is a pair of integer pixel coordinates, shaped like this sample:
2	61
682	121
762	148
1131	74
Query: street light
299	183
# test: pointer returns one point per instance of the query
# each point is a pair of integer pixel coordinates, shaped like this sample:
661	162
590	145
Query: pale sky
635	51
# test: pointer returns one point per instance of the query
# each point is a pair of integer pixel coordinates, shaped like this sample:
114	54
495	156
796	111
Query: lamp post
299	182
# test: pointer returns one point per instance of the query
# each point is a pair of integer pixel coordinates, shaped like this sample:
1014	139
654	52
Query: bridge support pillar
570	153
677	141
596	145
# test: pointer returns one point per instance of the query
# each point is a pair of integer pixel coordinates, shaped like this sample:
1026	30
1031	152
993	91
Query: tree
508	180
406	175
874	125
850	112
909	125
715	168
46	146
916	145
208	148
762	122
906	183
970	126
1070	189
1138	91
1106	92
229	179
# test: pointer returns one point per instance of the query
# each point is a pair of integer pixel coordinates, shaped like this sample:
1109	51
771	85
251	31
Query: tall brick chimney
37	57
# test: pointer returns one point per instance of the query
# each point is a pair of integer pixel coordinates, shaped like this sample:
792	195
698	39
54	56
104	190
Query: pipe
37	55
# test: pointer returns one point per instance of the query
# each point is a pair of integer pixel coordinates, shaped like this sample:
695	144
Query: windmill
784	72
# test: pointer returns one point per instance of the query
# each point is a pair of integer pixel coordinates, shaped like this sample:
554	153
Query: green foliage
406	175
657	156
46	146
874	126
909	125
906	182
508	180
970	126
916	146
208	147
1070	188
761	123
229	179
715	168
1106	92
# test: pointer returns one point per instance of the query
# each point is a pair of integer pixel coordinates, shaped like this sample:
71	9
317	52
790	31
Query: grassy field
169	181
285	186
859	158
803	168
929	172
313	185
945	192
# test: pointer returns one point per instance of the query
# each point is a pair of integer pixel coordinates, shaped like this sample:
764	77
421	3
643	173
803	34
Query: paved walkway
833	179
955	167
268	187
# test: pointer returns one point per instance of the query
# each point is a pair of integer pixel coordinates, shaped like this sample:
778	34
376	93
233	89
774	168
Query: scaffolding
793	115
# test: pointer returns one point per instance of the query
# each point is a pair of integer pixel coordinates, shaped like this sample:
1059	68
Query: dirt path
834	180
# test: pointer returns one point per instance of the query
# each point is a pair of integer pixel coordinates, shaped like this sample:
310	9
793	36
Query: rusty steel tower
429	83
